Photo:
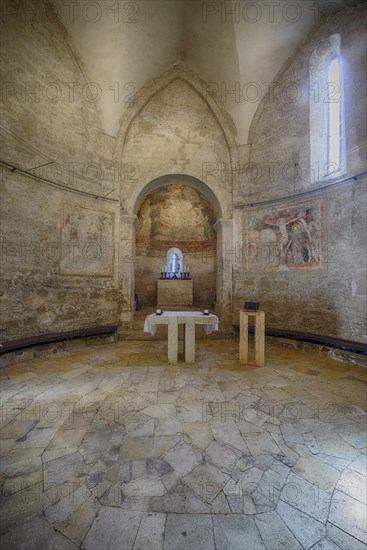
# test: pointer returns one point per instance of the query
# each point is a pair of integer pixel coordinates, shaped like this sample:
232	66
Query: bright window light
334	116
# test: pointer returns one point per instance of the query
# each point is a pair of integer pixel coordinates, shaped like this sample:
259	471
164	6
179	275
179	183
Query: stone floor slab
114	529
151	532
136	448
206	481
191	411
236	532
183	458
200	433
17	429
261	443
306	497
222	456
354	484
63	470
360	464
189	532
350	515
76	525
342	539
326	544
274	532
307	530
168	426
316	472
34	534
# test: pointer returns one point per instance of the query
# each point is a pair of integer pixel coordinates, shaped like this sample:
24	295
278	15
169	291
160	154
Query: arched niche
129	253
174	260
176	219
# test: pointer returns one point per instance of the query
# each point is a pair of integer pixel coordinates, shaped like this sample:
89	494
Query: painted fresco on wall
175	215
285	238
87	238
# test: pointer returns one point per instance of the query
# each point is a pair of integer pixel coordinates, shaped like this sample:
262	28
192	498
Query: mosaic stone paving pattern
110	447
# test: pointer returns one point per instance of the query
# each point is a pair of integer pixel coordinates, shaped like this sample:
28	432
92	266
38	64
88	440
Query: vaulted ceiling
125	44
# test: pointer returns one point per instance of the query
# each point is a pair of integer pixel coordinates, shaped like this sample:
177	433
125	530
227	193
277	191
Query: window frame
329	160
322	167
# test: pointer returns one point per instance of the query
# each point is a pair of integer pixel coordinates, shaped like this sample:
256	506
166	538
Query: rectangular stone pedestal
174	293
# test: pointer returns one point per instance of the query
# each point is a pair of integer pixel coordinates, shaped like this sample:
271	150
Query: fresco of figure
315	235
298	243
284	240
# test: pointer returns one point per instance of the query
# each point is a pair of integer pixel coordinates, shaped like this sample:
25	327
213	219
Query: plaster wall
42	125
175	132
330	300
124	45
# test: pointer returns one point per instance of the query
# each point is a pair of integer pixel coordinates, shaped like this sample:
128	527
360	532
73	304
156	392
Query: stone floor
112	448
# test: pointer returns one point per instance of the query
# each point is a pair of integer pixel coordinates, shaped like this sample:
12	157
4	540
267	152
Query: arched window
327	139
334	115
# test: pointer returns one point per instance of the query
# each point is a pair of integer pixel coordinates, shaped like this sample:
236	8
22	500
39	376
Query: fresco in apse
285	238
175	215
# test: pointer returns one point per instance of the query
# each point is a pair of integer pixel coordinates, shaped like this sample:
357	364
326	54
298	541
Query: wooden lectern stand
259	338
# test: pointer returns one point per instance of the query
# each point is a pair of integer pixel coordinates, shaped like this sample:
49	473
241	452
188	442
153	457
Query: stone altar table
174	318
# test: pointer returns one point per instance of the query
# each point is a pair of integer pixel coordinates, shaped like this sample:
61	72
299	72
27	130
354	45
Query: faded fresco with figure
285	238
175	214
87	238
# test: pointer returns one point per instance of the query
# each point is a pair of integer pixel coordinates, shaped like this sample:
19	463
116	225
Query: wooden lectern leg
243	338
260	339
